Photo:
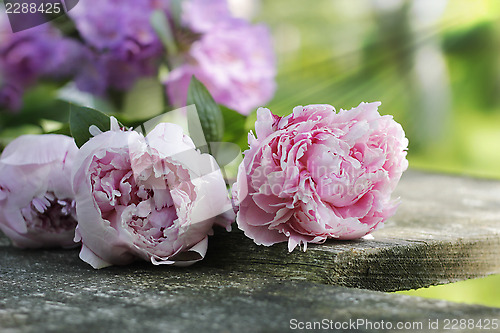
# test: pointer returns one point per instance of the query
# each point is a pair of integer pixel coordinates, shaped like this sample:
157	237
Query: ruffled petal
317	174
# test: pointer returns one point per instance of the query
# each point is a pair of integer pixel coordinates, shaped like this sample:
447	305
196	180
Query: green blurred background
434	65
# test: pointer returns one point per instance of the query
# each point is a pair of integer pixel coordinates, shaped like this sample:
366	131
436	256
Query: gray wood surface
53	291
446	229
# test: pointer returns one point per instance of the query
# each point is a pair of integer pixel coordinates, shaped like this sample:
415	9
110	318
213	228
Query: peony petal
37	149
35	176
169	197
260	234
187	257
264	123
92	259
338	169
251	214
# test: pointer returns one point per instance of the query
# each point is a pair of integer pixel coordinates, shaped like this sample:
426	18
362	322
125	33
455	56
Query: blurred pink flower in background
318	174
37	207
201	15
235	61
154	197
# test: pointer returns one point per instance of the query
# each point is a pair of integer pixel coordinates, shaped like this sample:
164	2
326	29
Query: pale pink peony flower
318	174
37	207
153	197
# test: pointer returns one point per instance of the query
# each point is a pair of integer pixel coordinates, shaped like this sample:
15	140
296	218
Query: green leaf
145	100
225	152
228	157
209	113
81	118
51	126
235	127
161	26
64	130
176	11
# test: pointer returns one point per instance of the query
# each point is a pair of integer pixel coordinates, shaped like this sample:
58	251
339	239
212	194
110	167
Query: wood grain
447	229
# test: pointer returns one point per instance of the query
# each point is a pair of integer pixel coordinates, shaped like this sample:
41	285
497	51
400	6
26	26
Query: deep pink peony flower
318	174
37	207
152	197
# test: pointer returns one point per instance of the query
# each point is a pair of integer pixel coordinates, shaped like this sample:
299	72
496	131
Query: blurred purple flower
66	58
119	27
100	23
121	40
11	97
118	46
24	55
102	71
29	55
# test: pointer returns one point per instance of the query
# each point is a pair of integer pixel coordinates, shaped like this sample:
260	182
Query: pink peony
36	200
318	174
153	197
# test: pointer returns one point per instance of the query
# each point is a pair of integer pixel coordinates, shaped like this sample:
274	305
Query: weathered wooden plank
446	229
53	291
